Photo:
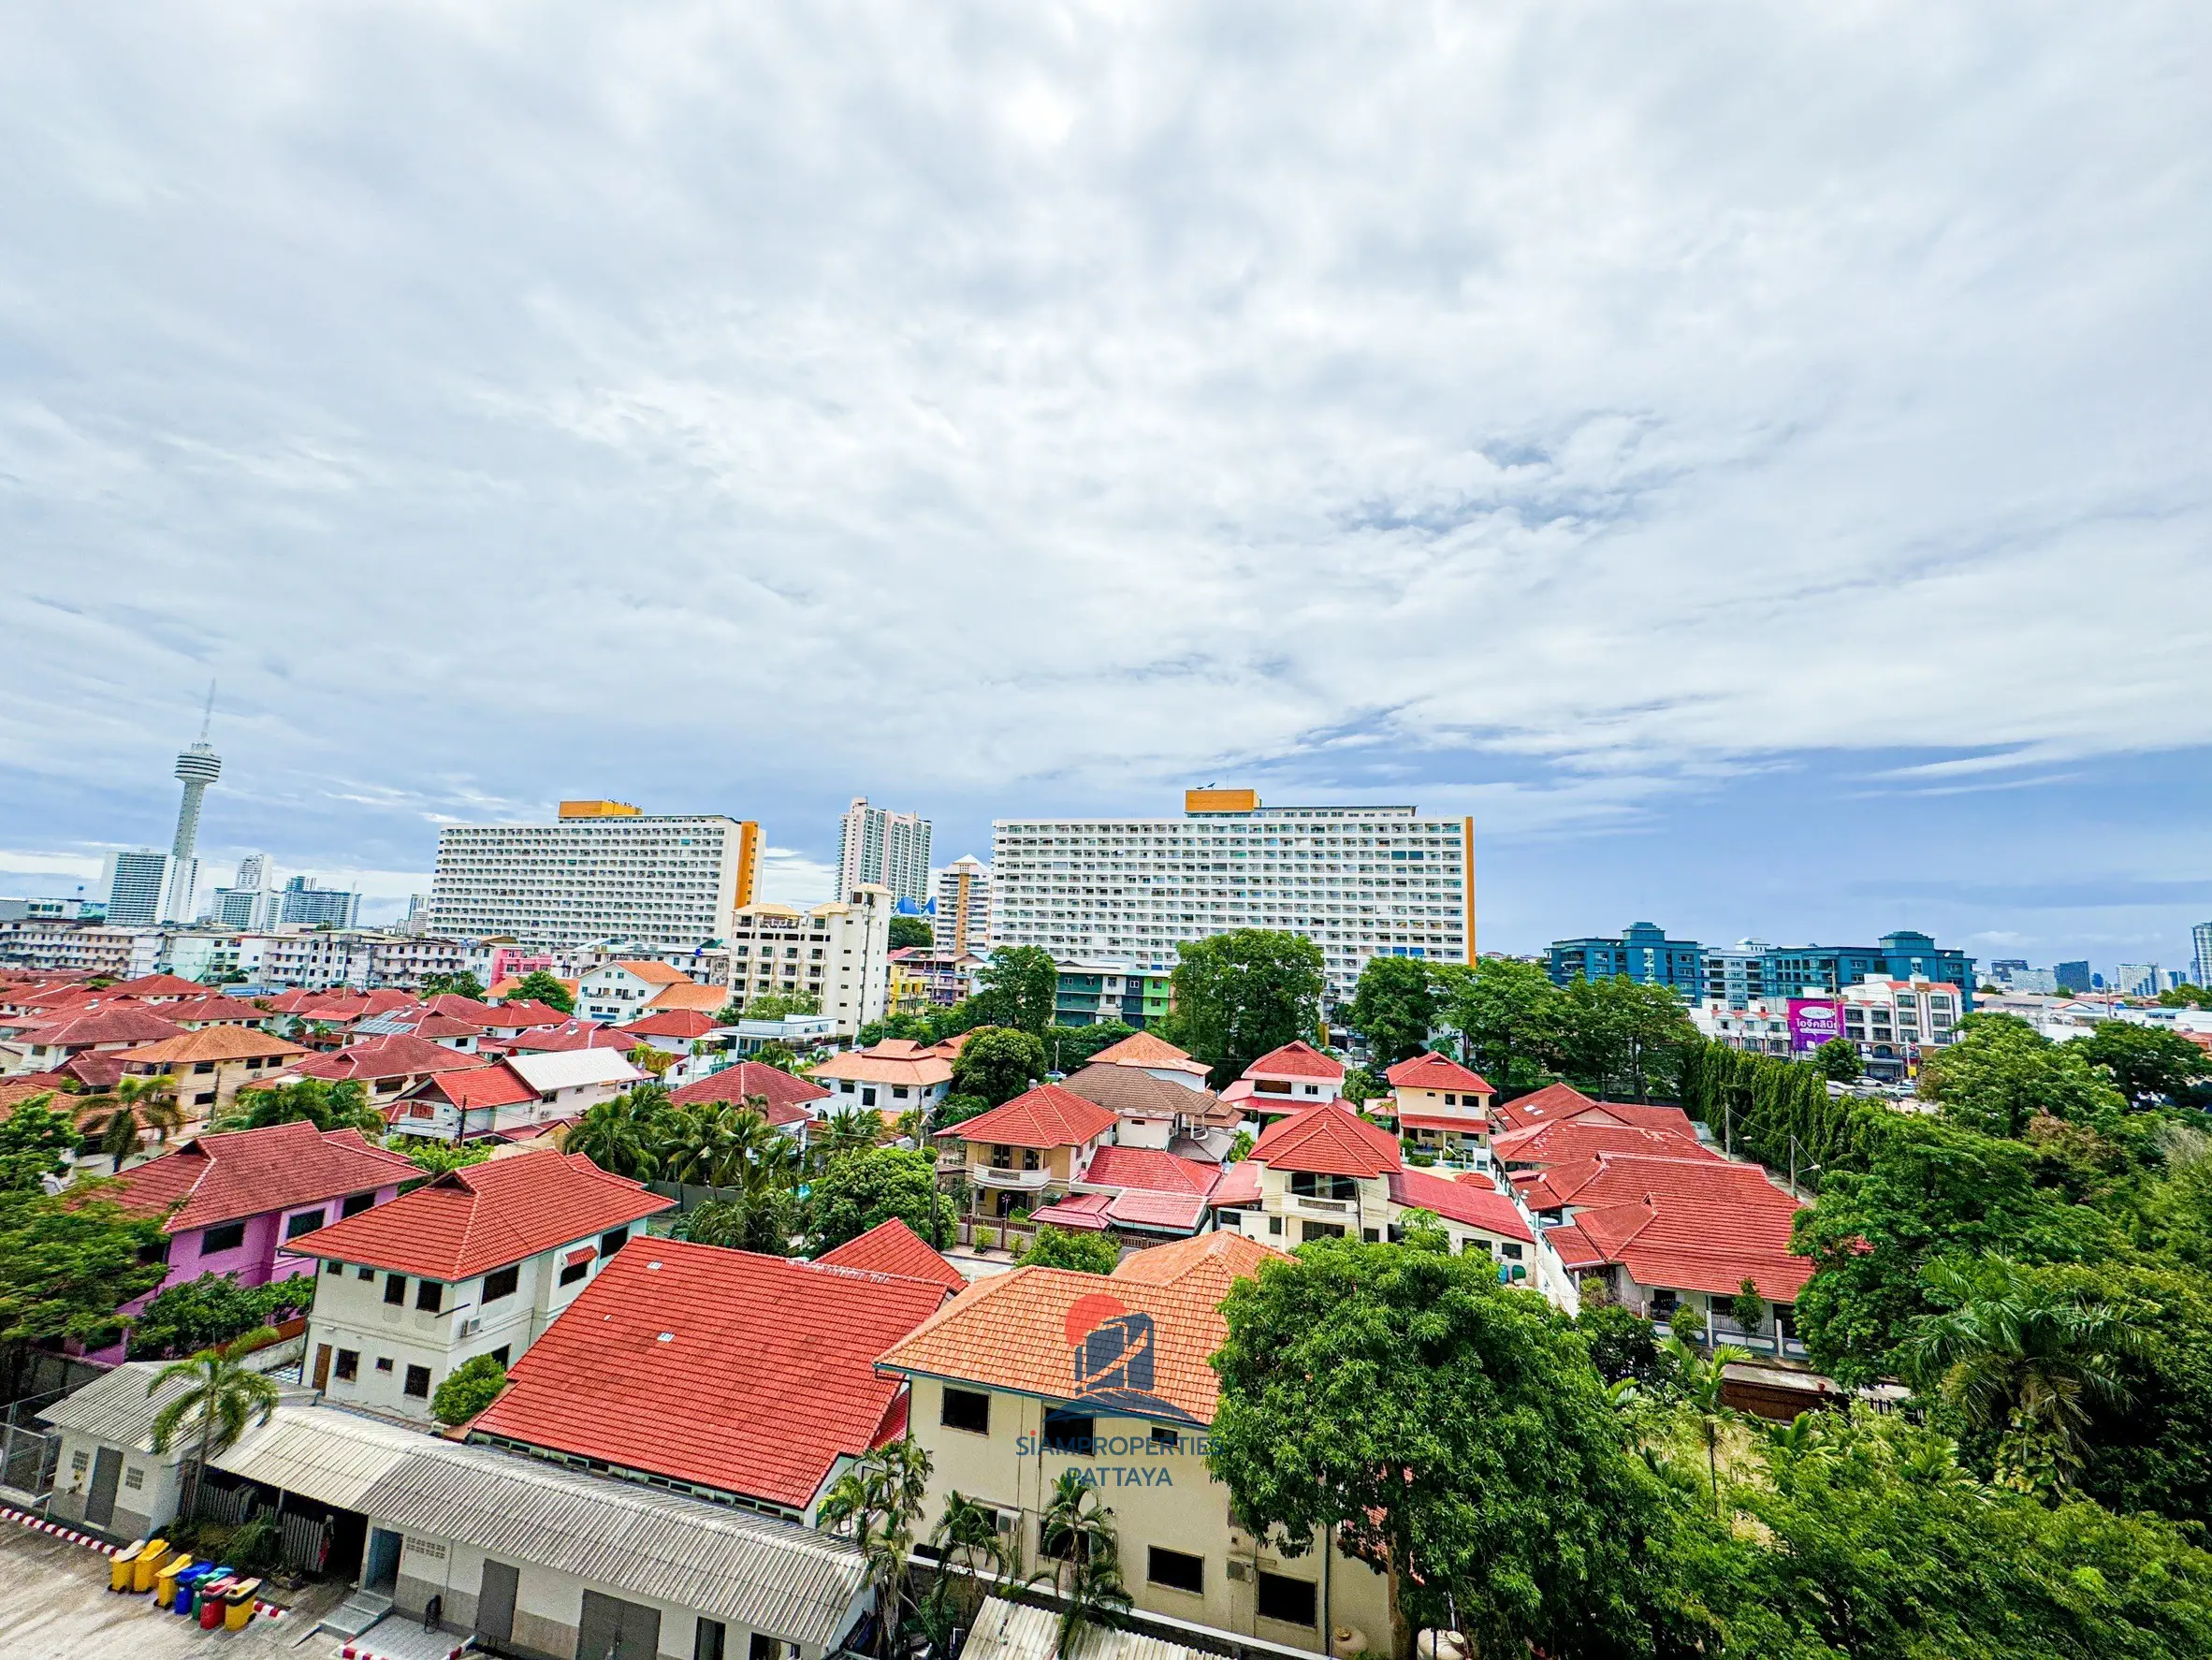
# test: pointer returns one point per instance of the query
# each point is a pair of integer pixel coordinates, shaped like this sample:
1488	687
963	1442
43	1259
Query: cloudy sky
1754	459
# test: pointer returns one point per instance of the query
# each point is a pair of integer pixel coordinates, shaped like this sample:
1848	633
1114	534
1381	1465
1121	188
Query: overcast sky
1755	459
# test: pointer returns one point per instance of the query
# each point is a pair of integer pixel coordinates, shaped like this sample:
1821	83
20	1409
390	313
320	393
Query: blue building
1793	968
1643	952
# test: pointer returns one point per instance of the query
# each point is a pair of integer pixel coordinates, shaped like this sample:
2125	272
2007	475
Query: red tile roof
787	1096
1676	1243
1473	1204
208	1010
1465	1123
496	1085
571	1034
95	1068
1550	1101
745	1373
892	1247
1566	1141
1151	1169
223	1178
1239	1184
485	1216
1084	1213
1327	1140
519	1017
210	1042
402	1056
1434	1071
1139	1207
1045	1116
1209	1262
1622	1178
446	1026
108	1023
672	1022
157	985
1296	1060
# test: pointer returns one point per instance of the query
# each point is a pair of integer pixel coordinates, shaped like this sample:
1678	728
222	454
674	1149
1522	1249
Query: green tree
781	1005
710	1144
998	1063
1453	1431
2008	1349
1020	987
875	1504
220	1393
1838	1059
911	930
1076	1531
35	1141
1239	1147
779	1056
2147	1065
1059	1247
1622	1344
763	1219
468	1389
2185	996
134	1104
970	1551
867	1189
67	1263
463	985
326	1105
1697	1381
213	1310
623	1135
1747	1308
1361	1087
1069	1048
1241	993
2002	1072
1393	1007
958	1109
1506	1014
436	1157
537	986
846	1131
1623	1035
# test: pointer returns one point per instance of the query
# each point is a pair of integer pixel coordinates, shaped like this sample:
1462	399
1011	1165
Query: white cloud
989	397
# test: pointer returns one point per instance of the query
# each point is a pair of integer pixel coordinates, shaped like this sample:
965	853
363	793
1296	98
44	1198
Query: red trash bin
211	1602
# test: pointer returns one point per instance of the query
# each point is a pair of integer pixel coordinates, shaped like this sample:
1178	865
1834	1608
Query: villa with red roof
1680	1258
479	1261
1442	1107
896	1076
386	1067
1038	1144
742	1378
789	1102
892	1247
1150	1053
39	1047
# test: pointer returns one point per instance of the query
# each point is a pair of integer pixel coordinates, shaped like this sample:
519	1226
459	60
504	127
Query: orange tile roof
157	985
1676	1243
498	1086
1045	1116
1564	1142
1473	1204
187	1009
1141	1049
684	1024
745	1373
1434	1071
695	1000
1296	1060
224	1178
1220	1256
656	974
1328	1139
210	1043
1150	1170
787	1095
570	1034
892	1247
886	1064
485	1216
402	1056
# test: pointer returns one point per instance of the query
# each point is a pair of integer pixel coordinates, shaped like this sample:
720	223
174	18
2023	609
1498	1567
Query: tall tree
2147	1065
623	1135
1020	986
865	1190
911	930
220	1393
120	1115
1069	1048
1624	1035
1506	1014
1393	1008
875	1504
1076	1530
998	1063
1696	1381
1241	993
1452	1430
213	1310
463	985
34	1142
326	1105
67	1263
537	986
2002	1072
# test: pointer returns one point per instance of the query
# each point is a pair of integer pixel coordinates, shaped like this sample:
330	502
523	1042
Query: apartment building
662	881
1093	994
1893	1022
54	946
963	921
839	953
1640	951
1360	881
877	847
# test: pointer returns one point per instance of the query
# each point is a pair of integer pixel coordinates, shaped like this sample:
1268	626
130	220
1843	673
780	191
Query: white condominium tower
1360	881
963	919
658	882
882	849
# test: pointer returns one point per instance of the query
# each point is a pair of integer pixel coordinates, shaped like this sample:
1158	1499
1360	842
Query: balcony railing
1306	1204
986	1175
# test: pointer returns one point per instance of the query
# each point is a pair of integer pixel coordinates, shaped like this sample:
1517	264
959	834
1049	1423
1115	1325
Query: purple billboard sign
1812	1022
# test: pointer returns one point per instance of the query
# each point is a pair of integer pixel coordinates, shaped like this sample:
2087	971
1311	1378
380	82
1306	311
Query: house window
574	1271
1029	1158
364	1273
502	1283
349	1365
134	1476
305	1222
771	1648
1178	1570
1305	1185
501	1353
355	1204
1275	1224
612	1242
868	1097
1073	1433
965	1410
419	1382
1285	1600
711	1645
228	1237
429	1296
1002	1158
333	1268
395	1290
1165	1439
384	1362
1511	1250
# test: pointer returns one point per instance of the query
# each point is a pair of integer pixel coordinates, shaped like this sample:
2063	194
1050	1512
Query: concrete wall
139	1511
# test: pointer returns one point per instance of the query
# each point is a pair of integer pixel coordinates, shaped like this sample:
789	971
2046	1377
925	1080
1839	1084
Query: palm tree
967	1537
1699	1379
220	1394
1077	1531
2011	1350
848	1129
696	1147
875	1504
622	1135
136	1103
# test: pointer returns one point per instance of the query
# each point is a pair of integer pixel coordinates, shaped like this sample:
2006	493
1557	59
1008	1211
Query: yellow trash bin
164	1579
147	1564
123	1566
239	1604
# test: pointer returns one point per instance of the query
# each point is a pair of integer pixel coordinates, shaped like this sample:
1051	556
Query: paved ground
59	1608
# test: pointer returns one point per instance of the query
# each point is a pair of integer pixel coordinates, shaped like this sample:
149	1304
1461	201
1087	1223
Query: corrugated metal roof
766	1575
116	1409
1014	1631
320	1453
568	1068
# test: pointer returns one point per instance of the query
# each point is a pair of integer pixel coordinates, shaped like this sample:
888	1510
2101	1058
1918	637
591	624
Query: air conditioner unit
1240	1571
470	1327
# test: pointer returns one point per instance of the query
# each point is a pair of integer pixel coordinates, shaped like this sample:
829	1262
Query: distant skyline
1756	463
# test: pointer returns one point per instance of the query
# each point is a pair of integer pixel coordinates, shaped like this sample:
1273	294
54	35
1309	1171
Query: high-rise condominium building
879	847
963	907
1360	881
841	952
2200	972
604	871
2137	980
311	906
135	886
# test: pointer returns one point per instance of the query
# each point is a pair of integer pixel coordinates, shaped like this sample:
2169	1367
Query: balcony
984	1176
1335	1210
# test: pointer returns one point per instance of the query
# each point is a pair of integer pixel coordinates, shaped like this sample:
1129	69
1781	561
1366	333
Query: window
349	1365
134	1476
1164	1439
611	1242
305	1222
429	1296
1511	1250
770	1648
1178	1570
965	1410
1029	1158
419	1382
1289	1601
355	1204
502	1283
228	1237
1275	1224
384	1362
574	1271
710	1642
501	1353
333	1268
364	1273
395	1290
1068	1432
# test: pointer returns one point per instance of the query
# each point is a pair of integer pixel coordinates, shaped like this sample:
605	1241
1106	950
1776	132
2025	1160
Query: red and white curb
268	1610
352	1653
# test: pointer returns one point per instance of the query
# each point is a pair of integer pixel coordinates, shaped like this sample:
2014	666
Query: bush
468	1389
1621	1342
959	1109
1087	1253
213	1309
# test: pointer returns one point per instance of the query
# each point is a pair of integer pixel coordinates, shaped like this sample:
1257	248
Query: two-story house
34	1045
896	1076
479	1261
1153	1055
623	991
1040	1371
1287	1080
1031	1151
209	1065
386	1068
1442	1108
